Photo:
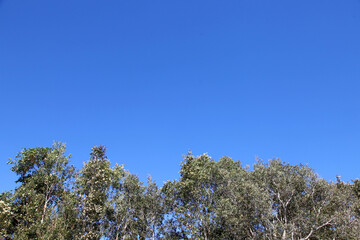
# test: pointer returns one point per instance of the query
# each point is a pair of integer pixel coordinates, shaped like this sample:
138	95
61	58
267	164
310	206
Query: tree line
210	200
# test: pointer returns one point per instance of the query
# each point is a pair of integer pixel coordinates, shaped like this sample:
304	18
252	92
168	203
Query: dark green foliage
211	200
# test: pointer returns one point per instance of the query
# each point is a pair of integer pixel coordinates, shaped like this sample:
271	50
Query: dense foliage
211	200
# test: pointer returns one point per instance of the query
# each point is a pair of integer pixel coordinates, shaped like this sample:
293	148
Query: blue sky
153	79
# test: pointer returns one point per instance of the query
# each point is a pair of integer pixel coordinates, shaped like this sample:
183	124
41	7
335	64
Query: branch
321	226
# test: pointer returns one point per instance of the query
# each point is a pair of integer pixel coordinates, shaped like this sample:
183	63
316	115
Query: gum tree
44	175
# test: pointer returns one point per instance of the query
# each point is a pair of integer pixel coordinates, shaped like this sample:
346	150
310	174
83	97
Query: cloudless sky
152	79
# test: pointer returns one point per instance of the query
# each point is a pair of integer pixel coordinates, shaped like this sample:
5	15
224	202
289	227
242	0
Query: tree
44	174
211	200
241	205
153	209
125	213
6	215
303	206
193	198
93	186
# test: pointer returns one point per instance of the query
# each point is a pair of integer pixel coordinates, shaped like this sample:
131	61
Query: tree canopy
210	200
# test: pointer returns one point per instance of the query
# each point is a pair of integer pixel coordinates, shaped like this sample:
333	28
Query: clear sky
153	79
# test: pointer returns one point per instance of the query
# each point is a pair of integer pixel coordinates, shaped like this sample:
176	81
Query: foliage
44	175
211	200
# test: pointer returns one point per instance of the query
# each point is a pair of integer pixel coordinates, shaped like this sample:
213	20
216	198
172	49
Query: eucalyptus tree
343	209
44	175
7	216
134	211
241	206
123	207
132	201
111	224
153	209
193	199
93	188
303	205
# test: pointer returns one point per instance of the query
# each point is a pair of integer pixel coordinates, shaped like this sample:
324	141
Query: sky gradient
153	79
